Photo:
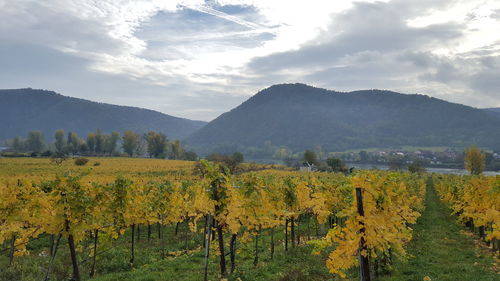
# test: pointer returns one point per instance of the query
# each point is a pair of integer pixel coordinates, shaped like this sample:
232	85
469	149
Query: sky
197	59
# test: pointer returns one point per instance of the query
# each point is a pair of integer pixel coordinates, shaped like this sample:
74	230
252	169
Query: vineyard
179	220
476	202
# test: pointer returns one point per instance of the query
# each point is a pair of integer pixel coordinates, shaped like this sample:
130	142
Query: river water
431	170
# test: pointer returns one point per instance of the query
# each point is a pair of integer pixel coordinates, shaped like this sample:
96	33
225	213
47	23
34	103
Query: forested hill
299	117
24	110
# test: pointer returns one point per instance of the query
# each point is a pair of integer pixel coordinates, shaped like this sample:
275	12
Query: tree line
152	144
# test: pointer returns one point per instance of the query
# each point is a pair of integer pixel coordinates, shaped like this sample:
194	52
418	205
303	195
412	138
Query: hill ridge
298	116
30	109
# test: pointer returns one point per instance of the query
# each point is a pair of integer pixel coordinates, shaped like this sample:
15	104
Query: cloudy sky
197	59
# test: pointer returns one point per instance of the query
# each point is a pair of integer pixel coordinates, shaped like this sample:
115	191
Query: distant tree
91	142
99	142
233	162
416	167
18	144
310	157
156	144
130	142
141	147
59	141
336	164
83	147
215	157
230	161
238	157
69	140
35	141
110	142
176	150
474	160
104	144
190	156
73	142
396	163
281	153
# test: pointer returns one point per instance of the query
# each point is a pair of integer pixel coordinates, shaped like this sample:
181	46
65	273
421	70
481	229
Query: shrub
58	158
81	161
416	167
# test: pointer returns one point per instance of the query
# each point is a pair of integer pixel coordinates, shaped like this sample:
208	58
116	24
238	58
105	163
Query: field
104	167
155	218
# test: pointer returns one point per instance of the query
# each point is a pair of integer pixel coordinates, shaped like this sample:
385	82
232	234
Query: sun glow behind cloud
290	26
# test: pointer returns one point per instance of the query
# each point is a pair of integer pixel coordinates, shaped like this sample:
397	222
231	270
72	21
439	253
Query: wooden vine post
207	247
132	249
364	267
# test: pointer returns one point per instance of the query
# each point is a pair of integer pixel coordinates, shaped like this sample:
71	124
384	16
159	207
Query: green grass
441	250
113	260
298	264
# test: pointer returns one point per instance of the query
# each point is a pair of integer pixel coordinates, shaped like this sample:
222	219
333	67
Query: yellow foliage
122	192
475	199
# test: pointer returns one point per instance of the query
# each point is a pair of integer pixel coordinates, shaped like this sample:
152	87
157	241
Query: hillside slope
299	117
495	111
24	110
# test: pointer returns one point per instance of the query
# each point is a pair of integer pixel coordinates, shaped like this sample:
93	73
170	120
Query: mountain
24	110
495	111
300	117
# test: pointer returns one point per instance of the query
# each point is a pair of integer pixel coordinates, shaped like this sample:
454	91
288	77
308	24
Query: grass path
442	250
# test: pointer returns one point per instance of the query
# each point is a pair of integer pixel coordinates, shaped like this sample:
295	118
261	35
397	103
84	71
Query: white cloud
481	29
236	47
292	22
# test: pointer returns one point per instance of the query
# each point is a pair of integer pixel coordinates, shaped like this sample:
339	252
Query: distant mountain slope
24	110
300	117
495	111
